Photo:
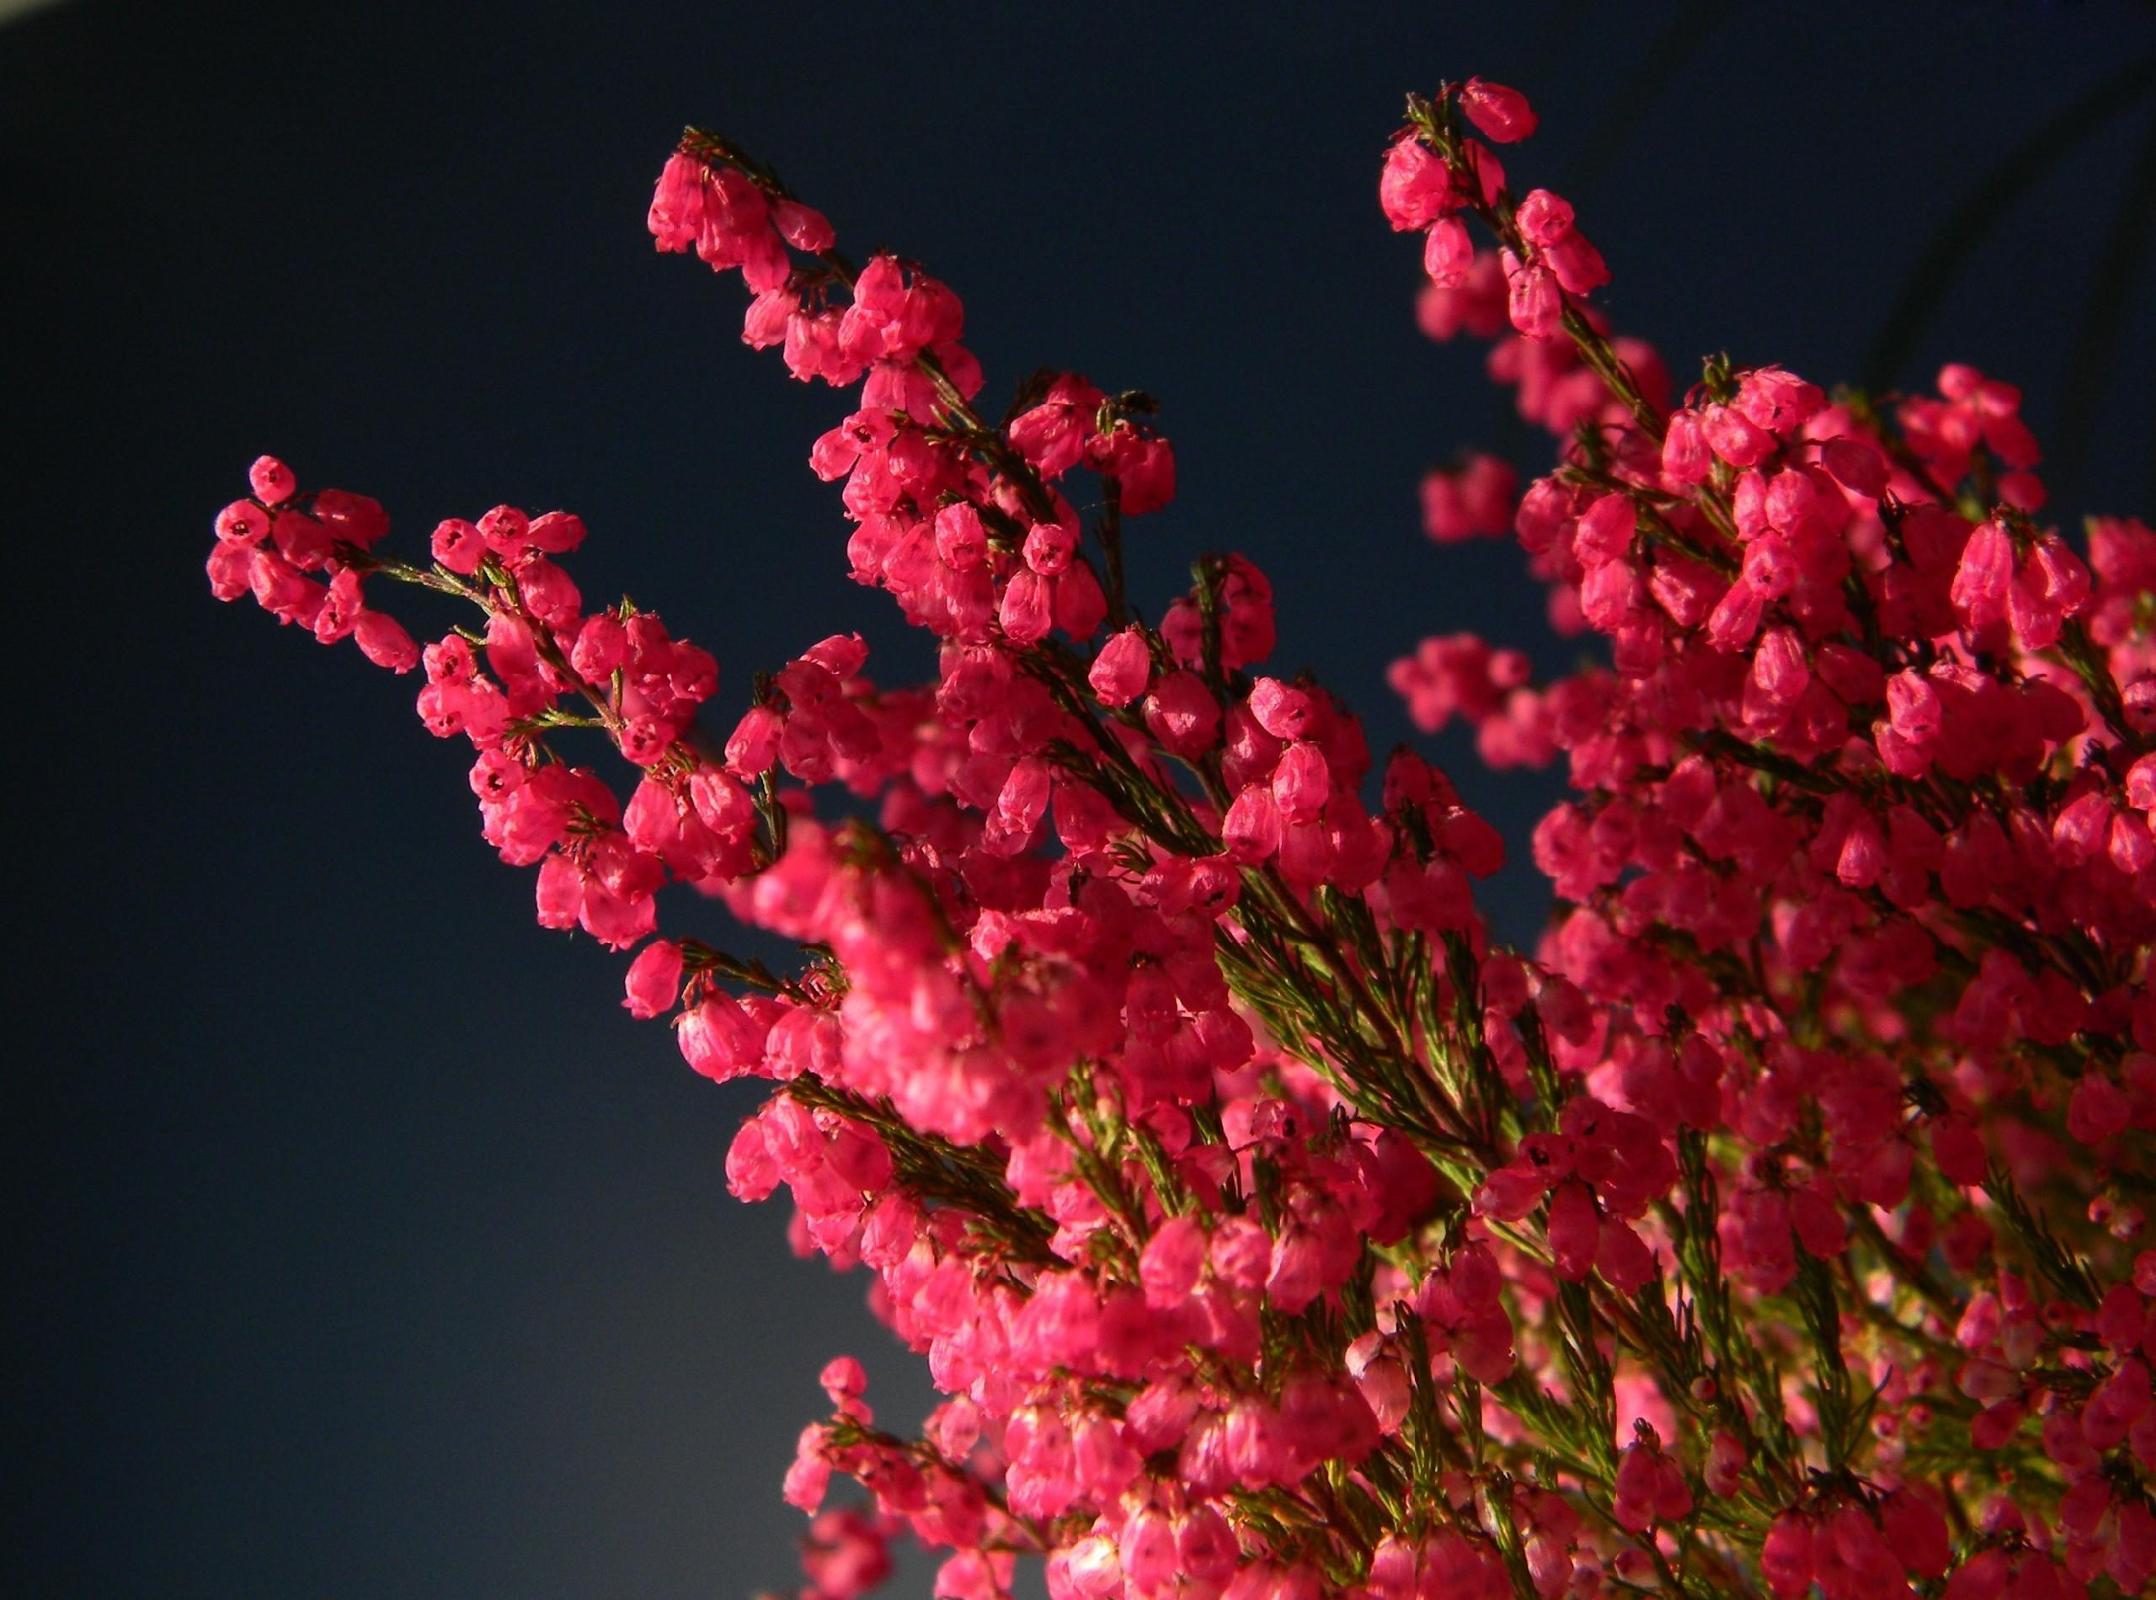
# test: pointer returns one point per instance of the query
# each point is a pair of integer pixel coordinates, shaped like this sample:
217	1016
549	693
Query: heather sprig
1270	1229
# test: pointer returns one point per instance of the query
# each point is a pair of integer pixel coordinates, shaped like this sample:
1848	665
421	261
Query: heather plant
1272	1230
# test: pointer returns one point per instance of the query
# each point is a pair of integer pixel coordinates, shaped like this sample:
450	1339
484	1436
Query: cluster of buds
1271	1231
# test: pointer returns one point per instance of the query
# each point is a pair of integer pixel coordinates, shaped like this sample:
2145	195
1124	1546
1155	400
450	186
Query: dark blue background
364	1246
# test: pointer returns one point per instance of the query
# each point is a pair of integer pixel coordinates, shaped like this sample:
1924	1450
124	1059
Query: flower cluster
1270	1230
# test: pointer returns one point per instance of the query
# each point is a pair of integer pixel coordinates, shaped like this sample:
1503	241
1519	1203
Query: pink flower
1574	1230
803	227
1501	114
1533	300
271	480
383	641
1982	578
1650	1487
654	979
720	1039
1121	671
1448	254
1416	189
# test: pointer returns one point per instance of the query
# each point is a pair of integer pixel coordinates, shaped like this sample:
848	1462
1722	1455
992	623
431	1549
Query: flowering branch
1271	1230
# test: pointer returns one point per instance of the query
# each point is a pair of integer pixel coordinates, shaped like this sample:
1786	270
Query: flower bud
1502	115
